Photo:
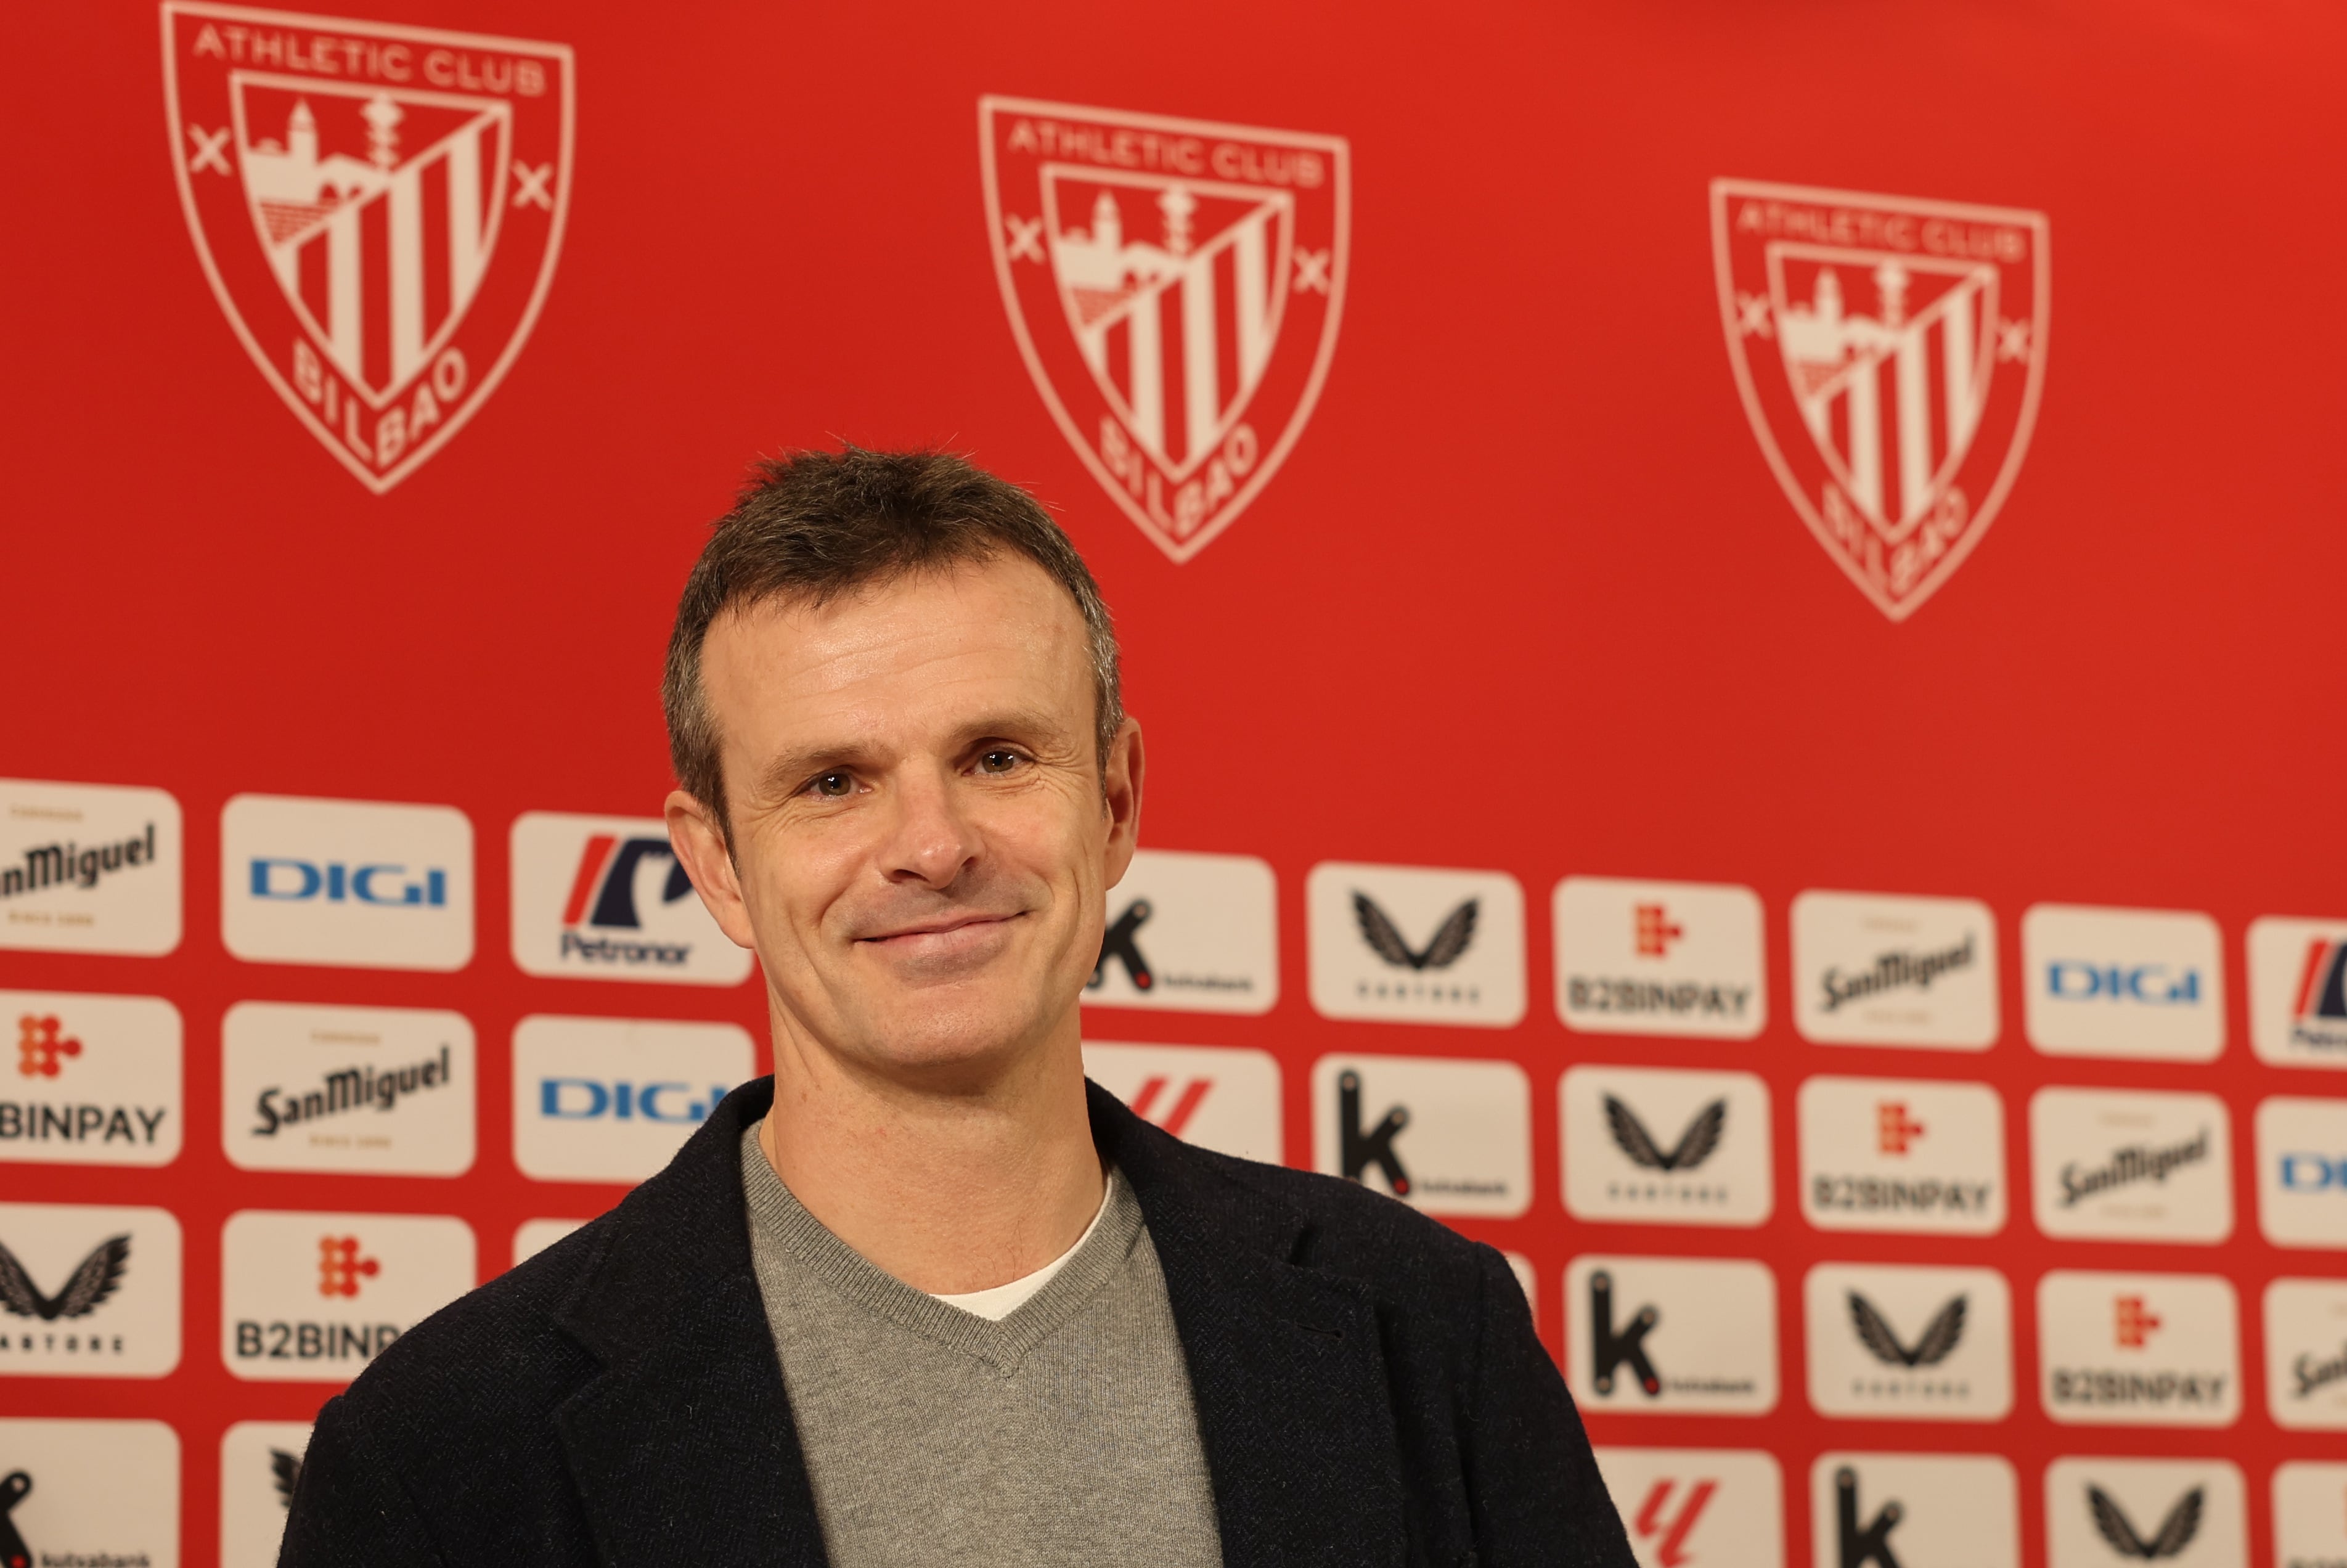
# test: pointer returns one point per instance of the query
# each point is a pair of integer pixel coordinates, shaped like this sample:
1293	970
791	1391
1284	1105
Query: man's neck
950	1192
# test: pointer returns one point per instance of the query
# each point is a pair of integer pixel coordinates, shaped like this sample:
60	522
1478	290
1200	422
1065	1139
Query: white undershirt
1000	1301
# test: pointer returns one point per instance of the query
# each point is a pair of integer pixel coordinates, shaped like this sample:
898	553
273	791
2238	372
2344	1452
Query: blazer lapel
1286	1367
682	1447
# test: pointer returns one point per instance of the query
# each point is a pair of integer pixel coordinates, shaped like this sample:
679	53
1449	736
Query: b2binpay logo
606	898
358	883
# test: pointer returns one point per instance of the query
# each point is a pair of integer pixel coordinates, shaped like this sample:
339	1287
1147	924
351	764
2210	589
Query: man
926	1296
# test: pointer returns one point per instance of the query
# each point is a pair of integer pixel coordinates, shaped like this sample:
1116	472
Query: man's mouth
941	936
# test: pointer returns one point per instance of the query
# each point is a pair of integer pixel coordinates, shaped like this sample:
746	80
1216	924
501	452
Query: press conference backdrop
1737	609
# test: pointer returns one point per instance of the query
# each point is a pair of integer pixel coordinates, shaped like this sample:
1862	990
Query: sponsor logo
534	1237
88	1493
1913	1511
261	1464
87	1291
96	1080
1659	958
2310	1514
2303	1171
91	868
1873	970
2101	1512
2126	1164
1196	933
1890	352
1715	1169
2141	983
2306	1354
387	1091
314	1297
1220	1099
2298	991
346	882
1699	1508
1406	945
1672	1334
2139	1349
1893	1154
378	210
1175	287
1448	1137
605	897
612	1100
1909	1343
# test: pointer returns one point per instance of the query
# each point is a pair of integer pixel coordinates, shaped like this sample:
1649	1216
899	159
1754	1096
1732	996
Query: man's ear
1121	790
700	847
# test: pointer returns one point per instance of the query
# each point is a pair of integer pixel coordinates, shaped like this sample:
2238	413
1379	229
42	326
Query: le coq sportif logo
95	1278
1696	1142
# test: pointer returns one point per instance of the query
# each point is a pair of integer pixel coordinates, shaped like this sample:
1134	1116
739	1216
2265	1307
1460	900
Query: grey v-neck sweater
1063	1434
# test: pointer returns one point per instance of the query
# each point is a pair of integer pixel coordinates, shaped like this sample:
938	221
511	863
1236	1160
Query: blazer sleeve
1536	1497
349	1510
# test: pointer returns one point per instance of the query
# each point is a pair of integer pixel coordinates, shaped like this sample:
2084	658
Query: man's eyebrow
784	772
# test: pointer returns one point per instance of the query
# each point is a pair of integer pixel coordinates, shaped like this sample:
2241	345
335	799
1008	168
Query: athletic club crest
1174	286
1890	353
378	210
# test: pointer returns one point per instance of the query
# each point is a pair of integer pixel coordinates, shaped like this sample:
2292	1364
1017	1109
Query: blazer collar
684	1448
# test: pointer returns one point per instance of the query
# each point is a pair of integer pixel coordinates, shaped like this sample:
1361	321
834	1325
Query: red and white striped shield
1174	286
378	210
1890	352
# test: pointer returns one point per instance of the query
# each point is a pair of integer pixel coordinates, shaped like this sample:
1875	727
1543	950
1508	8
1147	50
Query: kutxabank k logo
1174	286
1890	353
378	210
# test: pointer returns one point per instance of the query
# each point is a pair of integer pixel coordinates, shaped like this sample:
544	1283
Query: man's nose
930	839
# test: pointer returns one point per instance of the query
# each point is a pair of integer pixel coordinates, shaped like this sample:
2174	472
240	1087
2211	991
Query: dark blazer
1368	1384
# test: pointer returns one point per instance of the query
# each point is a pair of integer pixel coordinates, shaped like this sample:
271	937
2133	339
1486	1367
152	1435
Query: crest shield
1890	353
1175	287
378	210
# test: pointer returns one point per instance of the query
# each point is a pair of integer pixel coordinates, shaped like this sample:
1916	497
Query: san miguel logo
1174	286
1891	353
378	210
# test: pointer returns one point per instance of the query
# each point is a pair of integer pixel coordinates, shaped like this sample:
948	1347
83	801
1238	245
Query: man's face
921	845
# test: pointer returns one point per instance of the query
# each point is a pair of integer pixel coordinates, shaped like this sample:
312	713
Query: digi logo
612	1100
340	1267
606	898
343	882
41	1046
2144	984
1895	1132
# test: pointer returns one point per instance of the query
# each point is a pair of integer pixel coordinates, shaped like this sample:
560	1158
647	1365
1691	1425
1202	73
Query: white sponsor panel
260	1463
2119	1164
606	898
1660	958
94	1080
77	1493
1902	1154
1651	1145
1448	1137
1527	1279
1219	1098
1699	1508
362	884
89	1291
88	868
1671	1335
2139	1349
612	1100
1190	933
2298	991
1917	1511
534	1237
312	1298
1890	1341
2148	984
380	1091
2302	1170
1405	944
2310	1514
2306	1354
2101	1512
1873	968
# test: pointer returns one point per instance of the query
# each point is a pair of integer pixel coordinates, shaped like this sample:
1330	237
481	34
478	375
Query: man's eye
997	761
832	786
